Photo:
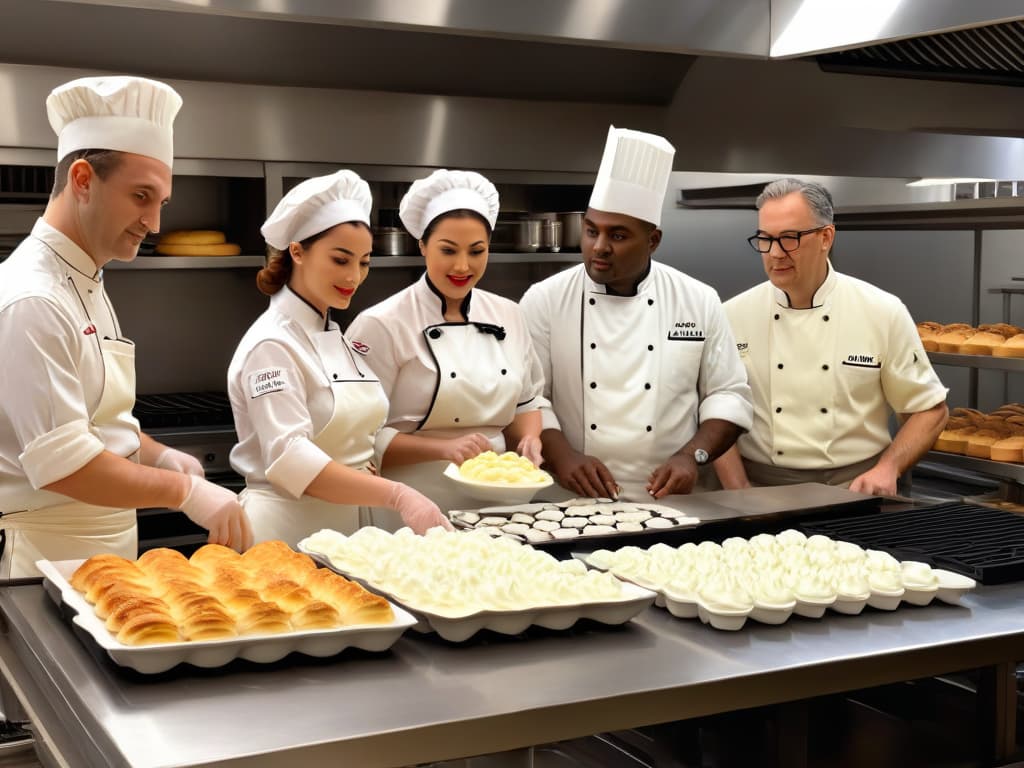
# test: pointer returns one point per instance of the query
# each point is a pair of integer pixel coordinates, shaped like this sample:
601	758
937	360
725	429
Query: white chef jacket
390	335
281	399
53	312
825	378
630	378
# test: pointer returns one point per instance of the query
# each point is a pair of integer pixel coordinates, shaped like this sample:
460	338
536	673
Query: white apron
76	530
359	409
476	391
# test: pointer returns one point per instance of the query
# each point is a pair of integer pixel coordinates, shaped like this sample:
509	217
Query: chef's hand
877	481
417	511
585	476
179	461
460	449
218	511
529	447
677	475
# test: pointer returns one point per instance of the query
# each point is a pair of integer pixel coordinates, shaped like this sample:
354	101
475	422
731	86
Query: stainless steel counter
428	700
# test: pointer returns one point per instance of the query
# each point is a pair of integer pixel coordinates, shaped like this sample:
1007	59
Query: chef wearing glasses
828	357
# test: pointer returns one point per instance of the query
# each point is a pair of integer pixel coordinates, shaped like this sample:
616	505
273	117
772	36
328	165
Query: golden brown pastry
952	336
355	604
928	331
149	629
316	615
981	343
263	618
212	557
122	611
1008	449
979	443
1012	347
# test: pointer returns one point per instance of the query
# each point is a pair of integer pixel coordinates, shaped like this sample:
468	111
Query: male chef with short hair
74	464
828	357
640	365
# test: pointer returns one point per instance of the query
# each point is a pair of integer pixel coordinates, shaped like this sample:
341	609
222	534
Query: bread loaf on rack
998	435
164	597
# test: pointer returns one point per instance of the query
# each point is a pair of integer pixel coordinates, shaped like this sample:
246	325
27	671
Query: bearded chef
307	407
829	358
73	463
641	369
456	362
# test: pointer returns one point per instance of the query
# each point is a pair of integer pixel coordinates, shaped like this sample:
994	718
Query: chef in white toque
74	464
307	407
642	372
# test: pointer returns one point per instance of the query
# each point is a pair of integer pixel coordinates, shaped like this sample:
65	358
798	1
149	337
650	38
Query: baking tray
673	519
983	543
460	628
952	586
263	649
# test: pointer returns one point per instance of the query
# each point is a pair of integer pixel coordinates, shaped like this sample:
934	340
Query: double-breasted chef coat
67	379
825	378
447	379
301	399
630	378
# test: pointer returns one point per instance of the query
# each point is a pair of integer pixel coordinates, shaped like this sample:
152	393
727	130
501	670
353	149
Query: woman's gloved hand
417	511
217	510
179	461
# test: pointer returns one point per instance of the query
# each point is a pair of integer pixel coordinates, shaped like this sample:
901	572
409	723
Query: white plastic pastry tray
952	586
457	628
152	659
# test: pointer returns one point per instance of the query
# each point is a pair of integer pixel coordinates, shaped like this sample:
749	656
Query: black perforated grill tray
983	543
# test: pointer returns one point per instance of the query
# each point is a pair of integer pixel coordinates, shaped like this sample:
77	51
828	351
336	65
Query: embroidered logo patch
267	380
742	347
863	361
361	348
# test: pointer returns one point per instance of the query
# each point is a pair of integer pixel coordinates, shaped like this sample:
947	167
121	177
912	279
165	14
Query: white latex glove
218	511
179	461
417	511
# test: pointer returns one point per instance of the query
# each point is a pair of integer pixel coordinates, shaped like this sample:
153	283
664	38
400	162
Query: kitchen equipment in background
572	229
519	235
200	424
551	235
393	241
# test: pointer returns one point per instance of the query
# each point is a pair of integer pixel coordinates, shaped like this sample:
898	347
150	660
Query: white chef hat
444	191
634	174
129	114
316	205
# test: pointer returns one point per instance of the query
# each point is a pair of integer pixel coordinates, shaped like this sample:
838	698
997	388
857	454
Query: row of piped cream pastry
461	574
772	577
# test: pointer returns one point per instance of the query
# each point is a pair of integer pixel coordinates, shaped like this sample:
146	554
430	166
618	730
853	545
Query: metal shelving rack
1003	471
378	262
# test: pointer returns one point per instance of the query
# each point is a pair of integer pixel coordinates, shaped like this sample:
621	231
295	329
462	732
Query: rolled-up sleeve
909	382
276	395
724	391
43	398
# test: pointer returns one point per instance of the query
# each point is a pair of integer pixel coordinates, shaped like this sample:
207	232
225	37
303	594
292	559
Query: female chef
306	408
456	362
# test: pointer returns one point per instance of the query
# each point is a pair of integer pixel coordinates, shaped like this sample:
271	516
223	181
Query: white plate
952	586
151	659
498	492
458	628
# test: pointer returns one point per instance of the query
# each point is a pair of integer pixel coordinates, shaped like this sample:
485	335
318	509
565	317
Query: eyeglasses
788	242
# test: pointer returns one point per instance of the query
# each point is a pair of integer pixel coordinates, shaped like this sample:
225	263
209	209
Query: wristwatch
701	456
